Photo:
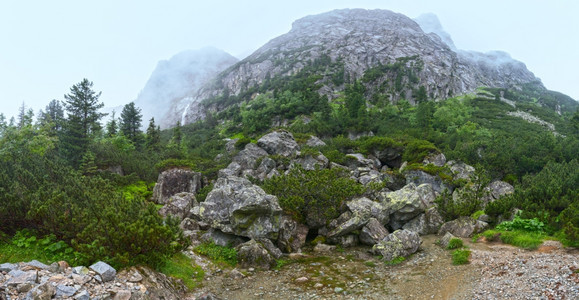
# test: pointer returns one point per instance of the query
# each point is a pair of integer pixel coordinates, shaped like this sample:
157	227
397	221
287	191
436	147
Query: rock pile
35	280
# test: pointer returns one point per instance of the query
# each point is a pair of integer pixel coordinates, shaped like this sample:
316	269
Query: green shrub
417	150
522	239
451	209
241	142
316	192
528	225
477	214
175	163
455	243
182	267
26	246
220	254
460	256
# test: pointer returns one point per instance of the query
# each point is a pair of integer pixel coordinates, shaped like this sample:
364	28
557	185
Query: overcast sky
48	46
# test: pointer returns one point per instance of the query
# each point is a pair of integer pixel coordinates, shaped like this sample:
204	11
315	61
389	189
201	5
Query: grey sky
47	46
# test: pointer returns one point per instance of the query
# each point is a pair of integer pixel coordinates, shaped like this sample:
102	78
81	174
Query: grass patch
395	261
25	246
460	257
477	214
522	239
180	266
455	243
370	264
219	254
280	263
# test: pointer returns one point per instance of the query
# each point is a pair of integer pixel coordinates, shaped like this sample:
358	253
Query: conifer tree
130	124
112	126
153	140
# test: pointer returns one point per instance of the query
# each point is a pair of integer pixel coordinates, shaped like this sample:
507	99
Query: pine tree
82	107
176	139
131	118
25	116
52	117
112	127
153	141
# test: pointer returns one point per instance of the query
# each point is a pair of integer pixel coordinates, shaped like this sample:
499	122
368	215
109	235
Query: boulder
156	285
292	235
254	254
237	206
311	162
19	277
314	141
345	241
247	158
189	225
37	265
357	160
373	232
233	169
179	205
445	240
392	157
496	190
355	222
463	227
279	142
64	291
266	166
372	209
44	291
427	223
222	239
400	243
407	203
103	269
419	177
372	176
7	267
461	170
174	181
437	159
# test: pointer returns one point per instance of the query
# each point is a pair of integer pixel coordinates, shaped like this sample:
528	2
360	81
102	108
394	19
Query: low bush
219	254
455	243
460	257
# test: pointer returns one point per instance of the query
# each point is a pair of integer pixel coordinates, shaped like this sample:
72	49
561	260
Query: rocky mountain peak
429	23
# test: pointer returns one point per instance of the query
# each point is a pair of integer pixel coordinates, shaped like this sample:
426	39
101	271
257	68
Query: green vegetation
460	257
315	193
25	246
219	254
455	243
182	267
523	233
395	261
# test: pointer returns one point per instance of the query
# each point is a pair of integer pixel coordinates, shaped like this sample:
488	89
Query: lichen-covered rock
357	160
419	177
400	243
372	209
237	206
345	241
44	291
463	227
496	190
222	239
179	205
461	170
314	141
427	223
437	159
407	203
103	269
292	235
254	254
279	142
247	158
373	232
311	162
392	157
174	181
445	240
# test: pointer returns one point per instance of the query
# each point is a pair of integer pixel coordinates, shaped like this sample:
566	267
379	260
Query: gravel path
496	271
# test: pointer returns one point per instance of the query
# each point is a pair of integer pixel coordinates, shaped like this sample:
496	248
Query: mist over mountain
352	41
165	95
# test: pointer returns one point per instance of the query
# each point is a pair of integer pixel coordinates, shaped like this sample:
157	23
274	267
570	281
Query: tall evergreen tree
52	117
112	127
82	106
153	141
25	116
131	118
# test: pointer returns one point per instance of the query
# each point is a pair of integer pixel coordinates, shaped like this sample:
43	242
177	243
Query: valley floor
496	271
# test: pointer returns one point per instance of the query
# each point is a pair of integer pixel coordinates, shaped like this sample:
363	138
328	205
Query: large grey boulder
419	177
279	142
103	269
496	190
20	277
358	160
7	267
372	209
461	170
427	223
311	162
292	235
314	141
445	240
407	203
179	205
220	238
437	159
237	206
174	181
463	227
400	243
373	232
255	254
247	158
392	157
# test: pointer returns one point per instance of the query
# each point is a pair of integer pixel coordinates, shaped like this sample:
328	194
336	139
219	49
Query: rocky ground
496	271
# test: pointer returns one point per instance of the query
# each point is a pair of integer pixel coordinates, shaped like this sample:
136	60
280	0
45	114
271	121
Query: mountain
389	52
166	93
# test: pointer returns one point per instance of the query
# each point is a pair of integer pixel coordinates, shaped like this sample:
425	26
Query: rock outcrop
237	206
174	181
400	243
179	205
407	203
463	227
279	143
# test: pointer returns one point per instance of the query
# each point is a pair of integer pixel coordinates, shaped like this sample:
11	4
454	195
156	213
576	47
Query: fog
47	46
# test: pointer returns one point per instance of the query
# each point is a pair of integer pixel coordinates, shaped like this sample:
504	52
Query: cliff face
173	82
353	41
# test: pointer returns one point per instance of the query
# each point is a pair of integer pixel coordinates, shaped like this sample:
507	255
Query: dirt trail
354	274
